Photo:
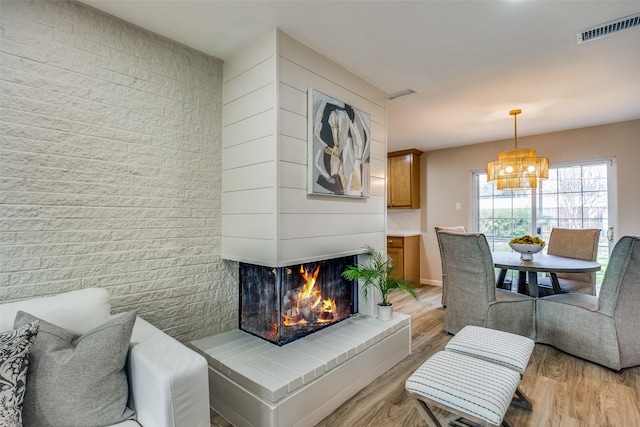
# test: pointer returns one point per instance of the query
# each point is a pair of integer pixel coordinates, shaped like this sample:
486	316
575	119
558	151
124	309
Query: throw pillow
78	380
14	361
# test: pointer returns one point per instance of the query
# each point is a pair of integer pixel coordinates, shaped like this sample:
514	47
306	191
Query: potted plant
376	274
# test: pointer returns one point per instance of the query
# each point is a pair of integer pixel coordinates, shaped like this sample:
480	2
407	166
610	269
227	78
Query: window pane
573	197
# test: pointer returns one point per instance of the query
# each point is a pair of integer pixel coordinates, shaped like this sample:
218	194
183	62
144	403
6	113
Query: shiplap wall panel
263	200
280	64
257	226
325	68
249	153
251	251
293	124
297	76
253	54
378	168
260	75
332	224
248	177
293	99
293	150
249	135
250	104
298	201
377	187
251	128
302	68
294	73
297	250
379	152
378	133
293	175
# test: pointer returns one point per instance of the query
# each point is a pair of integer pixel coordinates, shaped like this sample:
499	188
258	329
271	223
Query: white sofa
168	382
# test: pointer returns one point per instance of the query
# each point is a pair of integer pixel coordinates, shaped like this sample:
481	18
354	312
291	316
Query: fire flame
308	305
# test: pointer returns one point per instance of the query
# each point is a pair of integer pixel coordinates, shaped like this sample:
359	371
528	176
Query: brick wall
110	167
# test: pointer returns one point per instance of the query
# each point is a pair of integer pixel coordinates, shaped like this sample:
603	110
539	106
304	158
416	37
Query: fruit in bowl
526	246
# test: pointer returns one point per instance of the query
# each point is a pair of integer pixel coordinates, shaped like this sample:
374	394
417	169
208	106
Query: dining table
541	263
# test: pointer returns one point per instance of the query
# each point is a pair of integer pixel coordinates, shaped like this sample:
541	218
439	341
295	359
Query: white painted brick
110	160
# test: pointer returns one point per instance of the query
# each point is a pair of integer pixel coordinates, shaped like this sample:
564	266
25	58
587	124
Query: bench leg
432	421
426	413
463	422
521	400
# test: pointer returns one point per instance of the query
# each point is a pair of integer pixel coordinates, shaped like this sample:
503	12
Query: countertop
403	233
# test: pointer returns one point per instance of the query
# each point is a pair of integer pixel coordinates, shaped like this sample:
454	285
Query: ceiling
469	61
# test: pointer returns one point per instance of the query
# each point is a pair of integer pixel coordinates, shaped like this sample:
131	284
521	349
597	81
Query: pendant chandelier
517	169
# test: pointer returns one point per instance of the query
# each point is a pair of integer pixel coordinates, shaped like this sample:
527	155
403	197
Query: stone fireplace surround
253	382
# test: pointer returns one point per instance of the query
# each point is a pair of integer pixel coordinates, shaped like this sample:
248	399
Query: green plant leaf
375	274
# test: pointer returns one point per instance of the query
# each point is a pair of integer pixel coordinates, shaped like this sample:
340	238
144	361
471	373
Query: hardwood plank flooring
565	391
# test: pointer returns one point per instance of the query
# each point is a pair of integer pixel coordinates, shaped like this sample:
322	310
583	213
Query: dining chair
603	329
472	296
454	229
572	243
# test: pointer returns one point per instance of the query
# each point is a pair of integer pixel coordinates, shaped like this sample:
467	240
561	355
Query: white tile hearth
256	383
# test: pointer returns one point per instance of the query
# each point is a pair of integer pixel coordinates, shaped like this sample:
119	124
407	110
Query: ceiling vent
608	28
401	93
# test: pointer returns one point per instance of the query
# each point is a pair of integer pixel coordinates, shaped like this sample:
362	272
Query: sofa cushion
15	347
78	380
79	311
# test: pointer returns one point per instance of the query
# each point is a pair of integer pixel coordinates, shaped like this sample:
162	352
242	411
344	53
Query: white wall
446	178
110	162
268	217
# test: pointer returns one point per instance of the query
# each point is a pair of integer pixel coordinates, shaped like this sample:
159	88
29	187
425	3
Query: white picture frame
339	148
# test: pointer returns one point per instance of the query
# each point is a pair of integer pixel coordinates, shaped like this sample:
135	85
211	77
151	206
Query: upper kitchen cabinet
403	179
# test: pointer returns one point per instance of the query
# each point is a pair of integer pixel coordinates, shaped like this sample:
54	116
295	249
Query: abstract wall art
339	147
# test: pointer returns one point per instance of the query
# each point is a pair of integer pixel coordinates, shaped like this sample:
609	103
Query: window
576	195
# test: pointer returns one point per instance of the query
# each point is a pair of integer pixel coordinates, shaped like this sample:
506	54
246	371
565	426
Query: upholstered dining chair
473	298
454	229
603	329
572	243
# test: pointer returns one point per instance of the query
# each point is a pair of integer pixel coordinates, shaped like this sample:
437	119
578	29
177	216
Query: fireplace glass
282	304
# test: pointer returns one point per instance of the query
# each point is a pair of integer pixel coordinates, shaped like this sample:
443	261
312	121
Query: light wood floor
565	391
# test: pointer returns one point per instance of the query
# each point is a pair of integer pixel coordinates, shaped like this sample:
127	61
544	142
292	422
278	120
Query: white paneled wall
268	217
249	159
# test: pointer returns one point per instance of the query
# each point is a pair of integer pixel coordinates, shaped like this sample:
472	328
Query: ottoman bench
475	377
472	388
503	348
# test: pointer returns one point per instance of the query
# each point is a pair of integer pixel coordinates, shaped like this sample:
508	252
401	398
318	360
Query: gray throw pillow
78	380
14	361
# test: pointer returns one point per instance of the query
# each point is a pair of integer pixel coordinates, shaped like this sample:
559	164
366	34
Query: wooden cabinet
405	253
403	179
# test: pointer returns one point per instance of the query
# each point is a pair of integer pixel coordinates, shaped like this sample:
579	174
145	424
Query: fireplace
282	304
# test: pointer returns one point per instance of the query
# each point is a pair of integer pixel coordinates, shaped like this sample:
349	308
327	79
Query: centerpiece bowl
525	250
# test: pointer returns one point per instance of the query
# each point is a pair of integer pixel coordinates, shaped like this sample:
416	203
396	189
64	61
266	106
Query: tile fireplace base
255	383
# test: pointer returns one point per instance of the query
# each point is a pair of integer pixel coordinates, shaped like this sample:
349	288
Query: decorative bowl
526	251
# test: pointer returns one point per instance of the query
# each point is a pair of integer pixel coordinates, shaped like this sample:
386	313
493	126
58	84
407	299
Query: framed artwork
339	148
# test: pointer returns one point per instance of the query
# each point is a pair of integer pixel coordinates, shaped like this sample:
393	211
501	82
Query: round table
541	263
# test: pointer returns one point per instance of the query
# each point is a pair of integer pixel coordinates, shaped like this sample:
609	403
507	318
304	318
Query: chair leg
521	400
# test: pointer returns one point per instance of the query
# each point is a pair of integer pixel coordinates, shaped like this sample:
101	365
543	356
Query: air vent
608	28
401	93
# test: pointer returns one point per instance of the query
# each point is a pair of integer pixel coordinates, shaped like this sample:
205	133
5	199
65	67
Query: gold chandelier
517	169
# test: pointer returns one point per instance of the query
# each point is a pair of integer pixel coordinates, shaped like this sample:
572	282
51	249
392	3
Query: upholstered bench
469	387
476	377
509	350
